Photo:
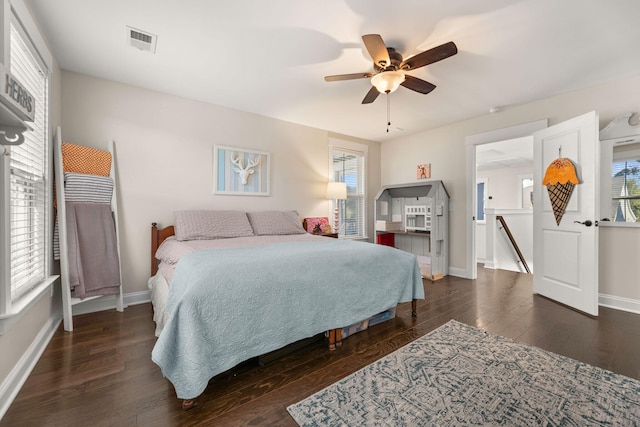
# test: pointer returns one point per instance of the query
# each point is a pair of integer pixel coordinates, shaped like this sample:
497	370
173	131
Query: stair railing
504	225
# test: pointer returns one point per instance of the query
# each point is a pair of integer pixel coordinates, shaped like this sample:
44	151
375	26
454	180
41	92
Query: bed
228	286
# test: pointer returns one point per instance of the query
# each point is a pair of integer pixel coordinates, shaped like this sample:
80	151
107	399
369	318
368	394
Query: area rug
460	375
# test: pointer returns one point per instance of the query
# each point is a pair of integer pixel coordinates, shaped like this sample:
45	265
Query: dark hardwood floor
102	373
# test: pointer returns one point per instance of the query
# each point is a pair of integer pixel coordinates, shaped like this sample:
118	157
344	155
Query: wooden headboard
157	237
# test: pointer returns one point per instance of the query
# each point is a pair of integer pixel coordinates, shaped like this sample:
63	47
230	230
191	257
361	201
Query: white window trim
339	144
12	311
521	189
485	181
605	178
21	11
620	156
26	301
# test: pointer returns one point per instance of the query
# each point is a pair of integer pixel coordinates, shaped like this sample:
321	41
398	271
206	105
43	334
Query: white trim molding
471	141
458	272
619	303
15	380
24	304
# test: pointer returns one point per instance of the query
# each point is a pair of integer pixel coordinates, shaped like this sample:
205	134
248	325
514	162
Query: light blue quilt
228	305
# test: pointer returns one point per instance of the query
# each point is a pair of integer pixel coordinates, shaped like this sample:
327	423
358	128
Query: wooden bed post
188	404
335	338
154	244
157	237
414	308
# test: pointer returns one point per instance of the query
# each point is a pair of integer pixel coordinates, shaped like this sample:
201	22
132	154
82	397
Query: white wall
503	186
164	149
445	149
619	268
499	253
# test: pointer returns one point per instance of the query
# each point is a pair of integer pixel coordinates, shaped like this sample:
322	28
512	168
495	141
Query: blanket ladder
98	302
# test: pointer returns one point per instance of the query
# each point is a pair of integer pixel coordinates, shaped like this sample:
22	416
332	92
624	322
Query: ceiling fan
390	68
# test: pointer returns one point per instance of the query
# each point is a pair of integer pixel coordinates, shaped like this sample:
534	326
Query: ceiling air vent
141	40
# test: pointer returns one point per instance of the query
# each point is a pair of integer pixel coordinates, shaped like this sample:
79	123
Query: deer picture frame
240	171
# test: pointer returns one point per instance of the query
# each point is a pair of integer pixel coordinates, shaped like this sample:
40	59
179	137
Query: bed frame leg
335	338
414	308
188	404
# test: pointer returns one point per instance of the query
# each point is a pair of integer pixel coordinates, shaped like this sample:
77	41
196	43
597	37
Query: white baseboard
610	301
13	383
136	298
619	303
458	272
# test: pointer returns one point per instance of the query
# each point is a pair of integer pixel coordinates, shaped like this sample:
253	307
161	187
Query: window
526	191
29	178
347	164
480	188
25	184
625	184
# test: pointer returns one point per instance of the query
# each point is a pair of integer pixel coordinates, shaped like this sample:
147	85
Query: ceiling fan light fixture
387	81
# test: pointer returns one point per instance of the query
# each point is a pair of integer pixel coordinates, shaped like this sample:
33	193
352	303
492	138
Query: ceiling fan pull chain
388	111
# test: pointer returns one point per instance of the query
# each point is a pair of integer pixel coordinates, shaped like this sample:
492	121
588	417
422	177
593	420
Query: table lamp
336	191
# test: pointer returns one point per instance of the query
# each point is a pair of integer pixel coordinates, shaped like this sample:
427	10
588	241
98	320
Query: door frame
471	141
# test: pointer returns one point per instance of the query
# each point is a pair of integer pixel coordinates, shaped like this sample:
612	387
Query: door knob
586	223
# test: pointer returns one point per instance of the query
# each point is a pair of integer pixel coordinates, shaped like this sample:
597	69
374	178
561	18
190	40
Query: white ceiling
513	153
270	57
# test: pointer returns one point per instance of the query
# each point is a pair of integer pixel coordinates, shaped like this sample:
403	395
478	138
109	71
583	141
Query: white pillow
170	251
205	224
270	223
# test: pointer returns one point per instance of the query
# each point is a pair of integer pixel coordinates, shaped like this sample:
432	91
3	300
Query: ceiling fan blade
417	84
347	77
430	56
377	49
371	95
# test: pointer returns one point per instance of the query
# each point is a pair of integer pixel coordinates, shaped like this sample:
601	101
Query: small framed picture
240	172
423	171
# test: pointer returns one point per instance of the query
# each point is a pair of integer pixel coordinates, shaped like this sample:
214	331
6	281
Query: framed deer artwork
240	171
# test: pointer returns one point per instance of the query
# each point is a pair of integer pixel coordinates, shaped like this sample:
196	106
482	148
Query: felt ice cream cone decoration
560	178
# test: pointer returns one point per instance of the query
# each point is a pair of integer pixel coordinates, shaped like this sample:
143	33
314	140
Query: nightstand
334	235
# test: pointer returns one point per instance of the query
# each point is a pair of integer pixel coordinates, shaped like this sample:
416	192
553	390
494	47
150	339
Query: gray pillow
266	223
205	224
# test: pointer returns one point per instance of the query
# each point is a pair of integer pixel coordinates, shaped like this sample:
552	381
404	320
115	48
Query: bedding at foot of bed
335	340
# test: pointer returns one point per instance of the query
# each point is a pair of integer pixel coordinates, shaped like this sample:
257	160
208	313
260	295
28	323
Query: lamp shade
336	190
387	81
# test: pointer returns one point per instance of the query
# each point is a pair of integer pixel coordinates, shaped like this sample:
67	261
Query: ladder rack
67	300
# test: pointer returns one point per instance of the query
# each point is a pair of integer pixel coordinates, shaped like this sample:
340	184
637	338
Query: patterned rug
460	375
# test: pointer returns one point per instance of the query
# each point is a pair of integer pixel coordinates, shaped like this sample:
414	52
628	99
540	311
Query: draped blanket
83	188
228	305
94	268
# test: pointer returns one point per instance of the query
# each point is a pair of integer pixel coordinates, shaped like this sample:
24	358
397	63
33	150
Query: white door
566	255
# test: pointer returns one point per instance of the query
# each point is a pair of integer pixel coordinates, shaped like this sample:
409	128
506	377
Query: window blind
625	190
349	167
29	177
